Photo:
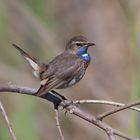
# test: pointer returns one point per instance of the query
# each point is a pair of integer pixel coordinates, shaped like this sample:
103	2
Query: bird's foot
67	103
69	106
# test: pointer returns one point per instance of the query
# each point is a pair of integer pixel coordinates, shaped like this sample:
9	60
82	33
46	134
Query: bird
65	70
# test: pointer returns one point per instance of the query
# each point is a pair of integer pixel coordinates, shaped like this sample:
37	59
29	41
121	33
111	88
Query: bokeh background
42	28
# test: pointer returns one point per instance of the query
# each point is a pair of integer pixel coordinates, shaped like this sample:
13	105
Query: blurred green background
42	28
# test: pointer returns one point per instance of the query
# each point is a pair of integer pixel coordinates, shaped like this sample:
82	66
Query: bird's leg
63	98
54	97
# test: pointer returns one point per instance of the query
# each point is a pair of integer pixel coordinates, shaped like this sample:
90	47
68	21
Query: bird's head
79	45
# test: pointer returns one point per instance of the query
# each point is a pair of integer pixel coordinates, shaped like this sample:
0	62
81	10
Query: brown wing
34	63
49	86
58	79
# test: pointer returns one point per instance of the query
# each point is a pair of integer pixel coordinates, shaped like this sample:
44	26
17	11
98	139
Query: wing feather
56	81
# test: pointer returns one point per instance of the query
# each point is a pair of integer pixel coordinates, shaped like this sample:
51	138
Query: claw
67	103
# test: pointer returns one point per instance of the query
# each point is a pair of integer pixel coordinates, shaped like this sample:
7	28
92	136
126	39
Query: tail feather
34	63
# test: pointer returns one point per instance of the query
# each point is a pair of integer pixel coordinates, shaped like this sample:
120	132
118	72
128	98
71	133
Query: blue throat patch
82	52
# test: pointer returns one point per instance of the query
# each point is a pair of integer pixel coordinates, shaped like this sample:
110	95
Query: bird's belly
75	80
72	81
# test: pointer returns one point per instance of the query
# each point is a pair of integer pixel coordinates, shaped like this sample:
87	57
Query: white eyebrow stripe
81	42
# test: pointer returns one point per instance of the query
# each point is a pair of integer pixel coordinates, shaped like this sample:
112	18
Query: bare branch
111	135
105	103
71	108
102	116
92	119
2	110
18	89
58	124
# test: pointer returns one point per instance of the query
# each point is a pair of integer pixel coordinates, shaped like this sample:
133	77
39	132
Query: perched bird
65	70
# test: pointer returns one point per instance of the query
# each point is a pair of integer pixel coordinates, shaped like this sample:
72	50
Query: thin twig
2	110
58	124
106	114
104	102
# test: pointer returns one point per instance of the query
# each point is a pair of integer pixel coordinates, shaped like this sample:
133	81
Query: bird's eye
78	44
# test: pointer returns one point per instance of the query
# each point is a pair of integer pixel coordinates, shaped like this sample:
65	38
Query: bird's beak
89	44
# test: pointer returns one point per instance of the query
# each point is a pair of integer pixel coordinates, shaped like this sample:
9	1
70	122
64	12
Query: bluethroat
65	70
